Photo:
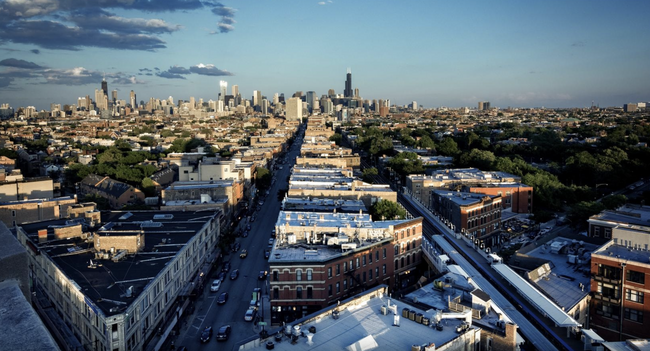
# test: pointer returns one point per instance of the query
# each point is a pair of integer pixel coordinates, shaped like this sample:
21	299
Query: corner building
320	259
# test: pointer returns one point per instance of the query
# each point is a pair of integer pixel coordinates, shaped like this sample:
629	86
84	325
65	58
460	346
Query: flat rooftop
463	198
364	320
106	285
322	205
634	215
624	253
562	283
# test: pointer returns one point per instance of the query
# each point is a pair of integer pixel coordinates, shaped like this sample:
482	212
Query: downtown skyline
551	54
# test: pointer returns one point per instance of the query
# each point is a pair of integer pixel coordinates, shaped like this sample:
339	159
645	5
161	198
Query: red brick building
478	215
516	196
320	259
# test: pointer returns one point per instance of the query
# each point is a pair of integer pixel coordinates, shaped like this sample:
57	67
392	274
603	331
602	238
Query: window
384	252
298	274
596	232
377	272
345	266
364	277
299	292
634	276
377	255
329	290
370	257
329	272
338	269
402	234
396	250
310	292
609	272
384	270
408	260
396	264
358	262
608	233
276	293
370	274
276	276
345	284
633	315
338	287
408	246
408	232
402	262
309	274
633	295
364	260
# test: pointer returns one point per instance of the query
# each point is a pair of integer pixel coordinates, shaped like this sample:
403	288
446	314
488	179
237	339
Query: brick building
117	193
514	196
322	258
478	215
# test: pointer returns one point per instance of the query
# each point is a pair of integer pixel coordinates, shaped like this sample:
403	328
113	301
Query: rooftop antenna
349	70
104	78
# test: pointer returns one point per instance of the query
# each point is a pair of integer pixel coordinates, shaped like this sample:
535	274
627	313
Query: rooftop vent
163	216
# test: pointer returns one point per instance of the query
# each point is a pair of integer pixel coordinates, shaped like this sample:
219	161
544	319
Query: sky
438	53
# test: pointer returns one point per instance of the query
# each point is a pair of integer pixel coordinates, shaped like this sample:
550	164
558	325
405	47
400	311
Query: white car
250	314
215	285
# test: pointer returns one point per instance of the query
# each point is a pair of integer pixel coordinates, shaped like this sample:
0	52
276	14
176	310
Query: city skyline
551	54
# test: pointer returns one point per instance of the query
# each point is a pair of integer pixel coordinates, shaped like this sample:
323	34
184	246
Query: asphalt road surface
207	311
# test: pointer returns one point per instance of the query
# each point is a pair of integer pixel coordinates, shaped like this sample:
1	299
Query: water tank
412	315
405	313
418	318
384	310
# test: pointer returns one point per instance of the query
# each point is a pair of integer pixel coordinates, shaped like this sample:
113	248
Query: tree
580	212
263	179
336	138
369	174
387	210
406	163
448	147
148	187
613	202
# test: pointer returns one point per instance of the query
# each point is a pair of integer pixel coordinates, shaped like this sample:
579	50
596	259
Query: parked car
222	276
206	334
243	253
234	274
236	247
250	314
215	285
245	234
224	333
271	242
262	275
267	254
248	227
223	298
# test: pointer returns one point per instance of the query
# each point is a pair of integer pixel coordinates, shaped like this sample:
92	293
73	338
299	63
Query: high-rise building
114	96
414	105
223	86
483	105
257	98
294	109
356	92
101	99
331	93
235	90
276	99
265	106
310	99
348	85
105	86
133	100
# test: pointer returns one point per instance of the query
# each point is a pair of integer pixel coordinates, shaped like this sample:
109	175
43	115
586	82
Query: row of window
361	279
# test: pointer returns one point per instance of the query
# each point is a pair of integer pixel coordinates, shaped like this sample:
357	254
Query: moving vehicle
215	285
267	254
262	275
223	298
243	253
206	334
226	266
224	333
234	274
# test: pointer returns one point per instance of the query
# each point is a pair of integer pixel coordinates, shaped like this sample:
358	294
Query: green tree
387	210
580	212
369	173
263	179
448	147
148	187
336	138
613	202
406	163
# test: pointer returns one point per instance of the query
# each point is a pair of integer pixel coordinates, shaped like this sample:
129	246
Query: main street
207	311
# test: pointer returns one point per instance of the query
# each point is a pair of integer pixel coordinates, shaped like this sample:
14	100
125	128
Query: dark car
236	247
223	297
262	275
245	234
248	227
223	333
234	274
222	276
226	266
267	254
206	334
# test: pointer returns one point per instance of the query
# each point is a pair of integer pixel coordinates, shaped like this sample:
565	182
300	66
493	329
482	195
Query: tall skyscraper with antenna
348	85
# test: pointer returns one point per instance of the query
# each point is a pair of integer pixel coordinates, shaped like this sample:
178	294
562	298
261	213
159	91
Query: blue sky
439	53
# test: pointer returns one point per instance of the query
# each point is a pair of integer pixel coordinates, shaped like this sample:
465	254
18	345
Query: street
207	311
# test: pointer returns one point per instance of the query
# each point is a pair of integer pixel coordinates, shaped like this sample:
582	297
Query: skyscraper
310	99
294	109
235	90
105	86
223	85
348	85
114	95
133	100
257	98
